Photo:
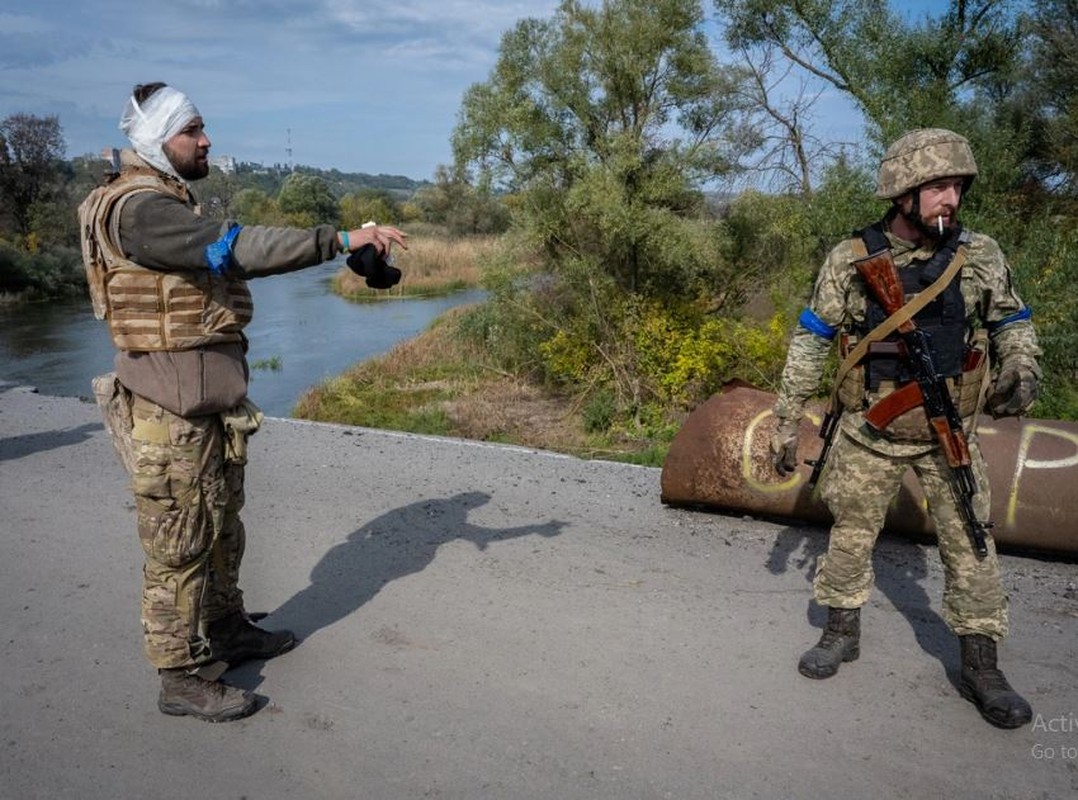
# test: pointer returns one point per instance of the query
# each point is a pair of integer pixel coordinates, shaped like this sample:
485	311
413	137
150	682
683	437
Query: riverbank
440	383
443	384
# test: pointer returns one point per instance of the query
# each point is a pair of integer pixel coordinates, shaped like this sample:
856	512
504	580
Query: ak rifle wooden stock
880	274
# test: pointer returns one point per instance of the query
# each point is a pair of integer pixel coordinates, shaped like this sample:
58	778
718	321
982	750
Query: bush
523	309
49	272
1046	271
600	412
14	276
684	359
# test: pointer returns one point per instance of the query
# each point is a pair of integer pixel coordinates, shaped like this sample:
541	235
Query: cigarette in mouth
939	223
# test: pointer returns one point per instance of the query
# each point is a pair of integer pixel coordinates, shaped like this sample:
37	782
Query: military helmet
921	156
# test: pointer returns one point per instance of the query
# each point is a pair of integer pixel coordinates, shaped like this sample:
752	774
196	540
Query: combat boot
235	639
186	694
984	685
841	641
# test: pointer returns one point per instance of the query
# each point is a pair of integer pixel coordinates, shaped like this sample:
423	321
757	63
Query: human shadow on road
14	447
400	543
900	568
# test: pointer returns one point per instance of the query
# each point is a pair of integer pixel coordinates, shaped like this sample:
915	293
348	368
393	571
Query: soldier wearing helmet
981	335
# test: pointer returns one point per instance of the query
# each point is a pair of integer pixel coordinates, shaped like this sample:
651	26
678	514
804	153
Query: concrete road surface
485	621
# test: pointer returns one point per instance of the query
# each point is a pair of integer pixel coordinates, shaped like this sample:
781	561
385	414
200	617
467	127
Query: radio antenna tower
288	150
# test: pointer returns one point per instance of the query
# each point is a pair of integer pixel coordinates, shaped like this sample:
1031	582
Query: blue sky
358	85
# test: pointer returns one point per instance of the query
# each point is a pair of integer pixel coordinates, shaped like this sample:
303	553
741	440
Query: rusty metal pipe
720	459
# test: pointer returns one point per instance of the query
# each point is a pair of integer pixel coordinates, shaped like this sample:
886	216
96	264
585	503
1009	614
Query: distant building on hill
227	164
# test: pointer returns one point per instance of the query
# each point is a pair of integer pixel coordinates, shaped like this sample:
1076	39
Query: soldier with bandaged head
172	287
960	287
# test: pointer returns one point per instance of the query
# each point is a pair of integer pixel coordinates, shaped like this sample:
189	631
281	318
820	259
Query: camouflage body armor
149	309
960	353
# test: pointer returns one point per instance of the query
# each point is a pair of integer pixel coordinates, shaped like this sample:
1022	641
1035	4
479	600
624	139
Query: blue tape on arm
1018	316
813	324
219	253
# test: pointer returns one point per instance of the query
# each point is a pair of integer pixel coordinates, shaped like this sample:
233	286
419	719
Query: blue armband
219	253
813	324
1018	316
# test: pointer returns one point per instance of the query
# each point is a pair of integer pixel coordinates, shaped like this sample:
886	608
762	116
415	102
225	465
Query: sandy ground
491	622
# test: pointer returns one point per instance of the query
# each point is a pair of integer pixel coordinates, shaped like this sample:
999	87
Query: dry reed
431	265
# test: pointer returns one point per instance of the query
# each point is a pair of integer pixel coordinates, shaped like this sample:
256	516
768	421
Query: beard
190	168
931	232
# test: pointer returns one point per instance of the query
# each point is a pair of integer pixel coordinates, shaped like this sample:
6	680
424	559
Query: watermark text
1063	724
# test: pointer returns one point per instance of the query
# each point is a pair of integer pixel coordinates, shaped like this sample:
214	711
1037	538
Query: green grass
273	364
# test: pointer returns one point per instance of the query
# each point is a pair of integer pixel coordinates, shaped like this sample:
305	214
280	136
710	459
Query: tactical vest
150	309
960	355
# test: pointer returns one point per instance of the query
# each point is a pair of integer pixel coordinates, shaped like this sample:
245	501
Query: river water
58	347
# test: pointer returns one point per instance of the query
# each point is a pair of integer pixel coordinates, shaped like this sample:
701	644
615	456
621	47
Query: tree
216	192
464	209
307	200
254	207
606	122
790	155
31	156
1053	92
368	205
900	74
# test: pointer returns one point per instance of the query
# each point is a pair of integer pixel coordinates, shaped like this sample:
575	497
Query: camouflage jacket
839	301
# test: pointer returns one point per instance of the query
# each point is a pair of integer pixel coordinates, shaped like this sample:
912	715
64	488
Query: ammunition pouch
114	400
239	424
967	392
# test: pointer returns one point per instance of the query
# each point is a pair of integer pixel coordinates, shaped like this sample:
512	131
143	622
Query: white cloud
21	24
361	84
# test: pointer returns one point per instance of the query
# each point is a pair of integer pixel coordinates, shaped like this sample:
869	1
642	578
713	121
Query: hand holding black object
367	263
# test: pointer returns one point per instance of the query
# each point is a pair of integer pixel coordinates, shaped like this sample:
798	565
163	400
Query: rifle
112	158
827	433
880	274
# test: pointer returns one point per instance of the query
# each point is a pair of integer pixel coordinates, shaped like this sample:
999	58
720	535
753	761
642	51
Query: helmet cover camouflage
921	156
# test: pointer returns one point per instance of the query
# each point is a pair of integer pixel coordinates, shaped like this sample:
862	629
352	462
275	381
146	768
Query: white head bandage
149	126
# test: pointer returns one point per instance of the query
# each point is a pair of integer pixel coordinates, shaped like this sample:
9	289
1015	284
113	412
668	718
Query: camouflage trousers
858	487
188	496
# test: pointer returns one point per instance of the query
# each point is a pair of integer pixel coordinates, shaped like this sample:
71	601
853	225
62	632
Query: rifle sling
889	325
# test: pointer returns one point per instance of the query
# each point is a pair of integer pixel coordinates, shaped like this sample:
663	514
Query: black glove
367	263
1014	392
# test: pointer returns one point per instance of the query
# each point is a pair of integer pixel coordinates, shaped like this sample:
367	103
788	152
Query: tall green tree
254	207
606	121
453	200
366	205
31	165
307	200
